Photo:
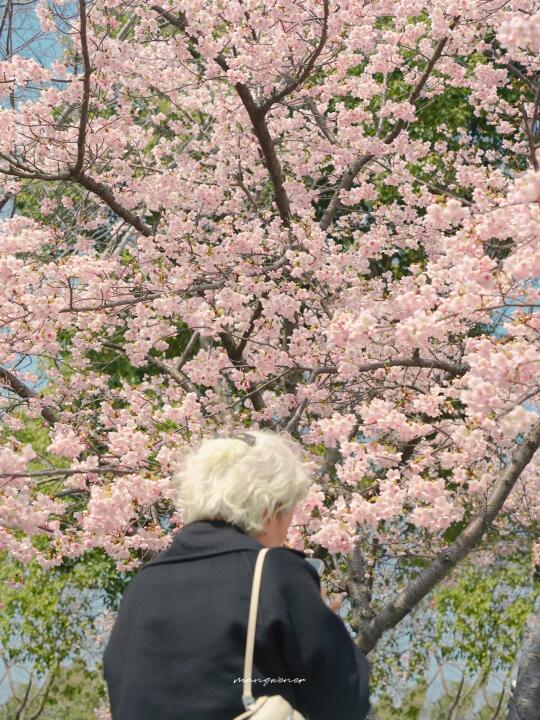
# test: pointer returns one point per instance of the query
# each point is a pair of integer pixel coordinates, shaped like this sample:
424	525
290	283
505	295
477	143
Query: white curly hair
241	479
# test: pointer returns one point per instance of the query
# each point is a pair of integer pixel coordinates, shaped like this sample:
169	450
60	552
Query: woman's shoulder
286	552
291	565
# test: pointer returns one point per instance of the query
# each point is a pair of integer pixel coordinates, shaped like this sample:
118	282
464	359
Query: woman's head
241	479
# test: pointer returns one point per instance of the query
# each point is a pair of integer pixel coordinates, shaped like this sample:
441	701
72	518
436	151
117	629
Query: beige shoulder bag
273	707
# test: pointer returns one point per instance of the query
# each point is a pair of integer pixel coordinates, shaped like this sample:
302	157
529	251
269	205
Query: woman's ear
266	520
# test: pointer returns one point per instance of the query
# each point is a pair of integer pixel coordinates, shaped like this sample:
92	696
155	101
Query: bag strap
247	697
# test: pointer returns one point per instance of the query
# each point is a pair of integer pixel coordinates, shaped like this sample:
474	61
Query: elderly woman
176	651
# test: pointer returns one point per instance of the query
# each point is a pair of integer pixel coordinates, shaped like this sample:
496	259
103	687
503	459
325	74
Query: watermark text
267	680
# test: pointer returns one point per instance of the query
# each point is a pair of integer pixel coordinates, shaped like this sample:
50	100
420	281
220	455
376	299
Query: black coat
179	639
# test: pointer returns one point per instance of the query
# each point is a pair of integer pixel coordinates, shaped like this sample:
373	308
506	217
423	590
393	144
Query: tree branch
179	21
530	128
106	194
25	392
276	96
446	560
99	470
321	122
416	362
85	105
174	374
245	338
261	132
348	177
359	588
193	340
256	115
66	113
237	360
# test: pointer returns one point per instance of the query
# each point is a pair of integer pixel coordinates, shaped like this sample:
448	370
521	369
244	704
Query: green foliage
474	622
34	433
397	264
410	707
69	692
481	616
115	363
49	615
460	700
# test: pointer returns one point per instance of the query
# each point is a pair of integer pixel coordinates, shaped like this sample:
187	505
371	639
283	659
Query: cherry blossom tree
317	216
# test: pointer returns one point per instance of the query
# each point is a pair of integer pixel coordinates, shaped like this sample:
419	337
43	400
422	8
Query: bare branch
321	122
256	315
24	701
54	472
417	362
189	347
24	173
143	298
44	693
297	415
182	380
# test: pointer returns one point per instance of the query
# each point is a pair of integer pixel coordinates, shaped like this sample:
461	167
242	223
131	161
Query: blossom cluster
269	214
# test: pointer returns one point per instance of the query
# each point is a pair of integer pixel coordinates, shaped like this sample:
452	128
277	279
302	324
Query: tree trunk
525	701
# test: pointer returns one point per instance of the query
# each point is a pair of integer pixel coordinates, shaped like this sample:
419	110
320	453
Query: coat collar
204	538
